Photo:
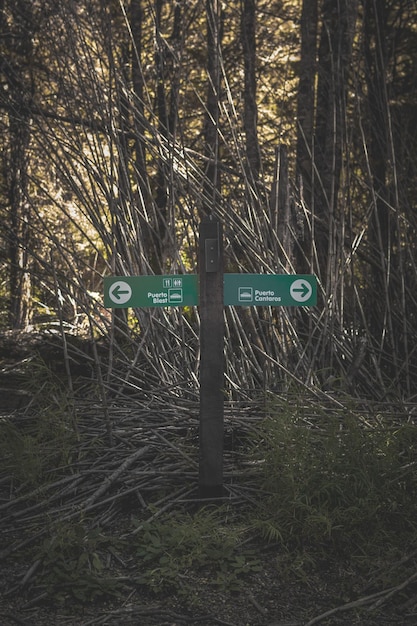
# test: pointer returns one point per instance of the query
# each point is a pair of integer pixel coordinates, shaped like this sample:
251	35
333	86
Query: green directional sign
182	290
150	291
270	290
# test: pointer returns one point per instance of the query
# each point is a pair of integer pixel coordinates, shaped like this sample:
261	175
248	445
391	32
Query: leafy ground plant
35	443
168	555
336	479
72	565
173	551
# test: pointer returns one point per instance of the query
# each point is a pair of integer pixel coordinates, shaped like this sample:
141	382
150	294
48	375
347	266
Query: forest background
123	124
294	122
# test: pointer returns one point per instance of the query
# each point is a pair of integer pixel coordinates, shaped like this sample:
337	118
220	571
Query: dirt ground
266	600
328	592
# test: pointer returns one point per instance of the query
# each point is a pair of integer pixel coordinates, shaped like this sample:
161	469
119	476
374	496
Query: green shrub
173	551
72	565
43	440
336	478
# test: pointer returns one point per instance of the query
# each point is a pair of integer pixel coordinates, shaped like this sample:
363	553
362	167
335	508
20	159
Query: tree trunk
20	86
250	114
321	139
382	236
161	195
334	60
136	21
306	96
305	130
211	132
20	314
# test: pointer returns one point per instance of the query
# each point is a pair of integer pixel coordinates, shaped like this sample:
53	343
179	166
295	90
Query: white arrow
120	292
301	290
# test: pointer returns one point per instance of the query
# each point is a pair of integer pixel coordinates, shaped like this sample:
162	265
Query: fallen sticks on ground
155	450
130	615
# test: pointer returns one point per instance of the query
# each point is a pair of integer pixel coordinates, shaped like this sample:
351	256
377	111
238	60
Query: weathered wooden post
211	358
217	290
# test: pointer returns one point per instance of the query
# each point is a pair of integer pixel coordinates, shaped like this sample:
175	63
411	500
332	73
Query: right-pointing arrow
301	290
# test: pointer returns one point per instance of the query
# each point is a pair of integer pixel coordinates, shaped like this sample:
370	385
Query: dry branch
114	476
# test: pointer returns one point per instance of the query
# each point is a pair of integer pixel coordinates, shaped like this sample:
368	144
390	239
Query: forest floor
264	600
84	549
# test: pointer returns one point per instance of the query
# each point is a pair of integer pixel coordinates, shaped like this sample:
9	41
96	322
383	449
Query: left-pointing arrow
120	292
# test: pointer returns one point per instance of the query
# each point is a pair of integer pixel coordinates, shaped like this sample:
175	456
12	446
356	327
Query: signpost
151	291
183	290
211	359
211	290
270	290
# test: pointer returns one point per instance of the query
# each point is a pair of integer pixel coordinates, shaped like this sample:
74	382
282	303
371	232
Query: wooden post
211	358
